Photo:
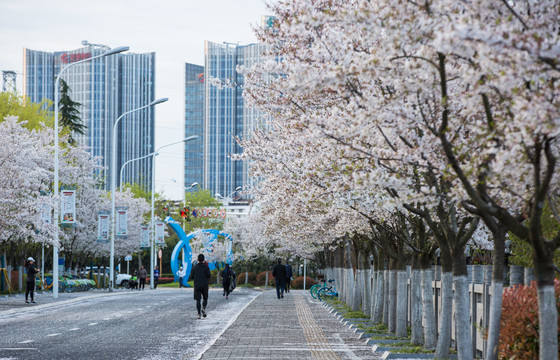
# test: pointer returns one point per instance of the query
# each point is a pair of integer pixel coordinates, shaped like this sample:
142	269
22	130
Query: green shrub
298	282
519	336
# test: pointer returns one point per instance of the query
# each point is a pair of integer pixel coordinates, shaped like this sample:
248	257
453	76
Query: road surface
158	324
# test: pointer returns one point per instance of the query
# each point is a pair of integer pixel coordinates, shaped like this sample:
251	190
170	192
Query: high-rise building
106	87
225	115
194	123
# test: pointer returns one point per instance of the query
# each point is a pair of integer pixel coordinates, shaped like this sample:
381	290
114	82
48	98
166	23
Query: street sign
128	258
160	253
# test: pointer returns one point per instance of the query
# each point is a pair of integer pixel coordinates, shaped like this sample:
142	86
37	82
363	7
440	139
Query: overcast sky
174	29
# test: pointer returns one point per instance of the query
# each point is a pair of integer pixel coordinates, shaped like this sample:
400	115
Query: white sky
174	29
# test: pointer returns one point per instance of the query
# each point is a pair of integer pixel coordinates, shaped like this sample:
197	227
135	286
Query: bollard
266	279
246	277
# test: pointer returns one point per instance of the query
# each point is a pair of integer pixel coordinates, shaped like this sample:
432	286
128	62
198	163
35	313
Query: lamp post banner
145	237
46	214
122	217
103	220
68	207
160	238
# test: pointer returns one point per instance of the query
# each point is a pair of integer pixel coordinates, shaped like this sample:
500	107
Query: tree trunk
548	313
357	293
393	298
495	312
379	301
401	305
386	298
446	311
366	293
462	305
416	305
373	292
428	313
444	337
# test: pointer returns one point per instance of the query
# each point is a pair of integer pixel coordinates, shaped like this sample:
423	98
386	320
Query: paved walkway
296	327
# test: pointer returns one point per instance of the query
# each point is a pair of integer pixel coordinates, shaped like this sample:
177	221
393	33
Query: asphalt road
158	324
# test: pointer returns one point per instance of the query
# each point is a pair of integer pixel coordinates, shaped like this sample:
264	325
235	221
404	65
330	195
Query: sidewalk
296	327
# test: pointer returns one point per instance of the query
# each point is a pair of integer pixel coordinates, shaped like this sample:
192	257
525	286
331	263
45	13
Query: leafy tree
69	114
36	115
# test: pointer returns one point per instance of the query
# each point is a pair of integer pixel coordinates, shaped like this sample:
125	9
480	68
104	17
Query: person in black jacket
226	280
31	272
201	275
279	273
289	274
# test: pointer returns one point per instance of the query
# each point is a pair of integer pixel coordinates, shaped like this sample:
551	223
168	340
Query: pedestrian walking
31	272
156	277
227	274
289	274
201	276
181	274
279	273
142	275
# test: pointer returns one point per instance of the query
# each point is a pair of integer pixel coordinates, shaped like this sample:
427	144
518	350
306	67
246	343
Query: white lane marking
55	334
26	342
107	319
73	329
12	349
91	324
148	305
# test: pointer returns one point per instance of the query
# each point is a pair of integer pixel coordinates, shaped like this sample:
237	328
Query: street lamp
153	242
113	183
128	162
224	198
55	185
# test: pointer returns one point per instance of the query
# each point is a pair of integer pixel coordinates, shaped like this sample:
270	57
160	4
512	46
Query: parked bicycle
324	290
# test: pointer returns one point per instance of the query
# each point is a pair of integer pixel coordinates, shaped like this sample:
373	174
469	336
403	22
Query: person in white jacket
181	274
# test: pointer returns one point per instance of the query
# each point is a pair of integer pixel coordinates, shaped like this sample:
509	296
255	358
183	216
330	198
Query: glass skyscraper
225	115
194	123
106	87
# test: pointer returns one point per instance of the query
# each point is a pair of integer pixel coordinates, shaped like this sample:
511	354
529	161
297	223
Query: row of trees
404	127
27	167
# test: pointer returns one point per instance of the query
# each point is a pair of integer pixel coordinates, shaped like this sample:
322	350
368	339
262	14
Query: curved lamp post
55	185
113	184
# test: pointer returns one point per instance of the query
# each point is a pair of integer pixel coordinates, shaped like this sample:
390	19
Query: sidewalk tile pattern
295	327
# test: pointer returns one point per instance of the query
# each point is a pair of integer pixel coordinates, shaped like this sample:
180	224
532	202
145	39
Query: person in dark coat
279	273
31	272
227	274
289	274
201	276
142	275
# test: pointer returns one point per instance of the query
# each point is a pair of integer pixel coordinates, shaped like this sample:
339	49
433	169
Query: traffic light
183	213
166	210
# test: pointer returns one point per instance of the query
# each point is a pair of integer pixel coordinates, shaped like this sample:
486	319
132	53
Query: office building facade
226	116
194	124
106	87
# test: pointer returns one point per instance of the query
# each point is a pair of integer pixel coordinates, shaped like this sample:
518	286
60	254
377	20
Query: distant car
122	280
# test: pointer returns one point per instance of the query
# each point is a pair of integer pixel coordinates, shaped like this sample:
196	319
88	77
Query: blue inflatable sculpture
184	243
